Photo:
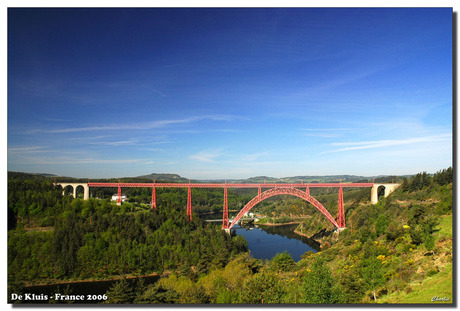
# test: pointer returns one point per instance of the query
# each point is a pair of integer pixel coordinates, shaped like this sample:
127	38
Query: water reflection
264	242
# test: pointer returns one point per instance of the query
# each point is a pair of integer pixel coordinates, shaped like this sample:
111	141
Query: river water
264	242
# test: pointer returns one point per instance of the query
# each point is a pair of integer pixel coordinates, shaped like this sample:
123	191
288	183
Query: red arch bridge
266	190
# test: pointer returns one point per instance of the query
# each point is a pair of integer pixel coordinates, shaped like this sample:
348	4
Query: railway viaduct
273	189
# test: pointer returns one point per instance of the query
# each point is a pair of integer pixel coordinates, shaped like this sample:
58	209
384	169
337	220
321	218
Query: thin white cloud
325	132
106	161
116	143
53	119
253	156
325	135
70	161
158	92
138	126
387	143
152	149
89	138
207	155
29	149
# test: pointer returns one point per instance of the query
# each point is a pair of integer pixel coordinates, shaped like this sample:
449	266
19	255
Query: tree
372	272
319	286
405	185
443	177
195	294
235	273
416	183
157	293
351	285
381	224
120	292
430	242
262	288
426	180
68	238
394	231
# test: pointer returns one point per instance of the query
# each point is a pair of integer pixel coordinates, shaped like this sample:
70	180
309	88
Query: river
264	242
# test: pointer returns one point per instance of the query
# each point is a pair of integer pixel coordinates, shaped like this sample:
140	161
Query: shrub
282	262
432	272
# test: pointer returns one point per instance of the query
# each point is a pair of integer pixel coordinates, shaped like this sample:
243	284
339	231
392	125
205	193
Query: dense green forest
391	252
54	237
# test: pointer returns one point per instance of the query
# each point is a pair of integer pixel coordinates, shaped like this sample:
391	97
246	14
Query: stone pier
389	188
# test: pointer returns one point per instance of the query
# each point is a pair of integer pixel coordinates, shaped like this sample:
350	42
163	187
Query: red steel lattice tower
225	219
189	202
119	194
340	210
154	198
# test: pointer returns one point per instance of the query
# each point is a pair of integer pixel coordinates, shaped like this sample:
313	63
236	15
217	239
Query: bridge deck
223	185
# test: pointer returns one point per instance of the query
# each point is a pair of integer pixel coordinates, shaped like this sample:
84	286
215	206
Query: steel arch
284	190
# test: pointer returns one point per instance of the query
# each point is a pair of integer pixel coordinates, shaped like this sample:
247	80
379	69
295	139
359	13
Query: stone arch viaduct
74	188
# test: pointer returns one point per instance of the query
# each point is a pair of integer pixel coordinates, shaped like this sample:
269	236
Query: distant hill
24	176
179	179
164	177
260	179
305	179
329	178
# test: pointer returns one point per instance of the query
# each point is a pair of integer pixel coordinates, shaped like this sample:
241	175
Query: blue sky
229	93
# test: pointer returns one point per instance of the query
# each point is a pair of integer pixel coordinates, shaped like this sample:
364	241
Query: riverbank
301	234
91	280
280	224
273	221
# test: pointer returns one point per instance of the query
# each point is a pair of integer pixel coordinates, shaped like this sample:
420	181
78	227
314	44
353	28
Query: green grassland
439	285
434	286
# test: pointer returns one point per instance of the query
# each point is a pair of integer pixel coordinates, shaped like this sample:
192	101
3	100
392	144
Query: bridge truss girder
274	189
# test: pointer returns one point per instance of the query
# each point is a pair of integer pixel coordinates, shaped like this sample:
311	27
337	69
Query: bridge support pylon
225	216
119	195
341	210
189	202
154	198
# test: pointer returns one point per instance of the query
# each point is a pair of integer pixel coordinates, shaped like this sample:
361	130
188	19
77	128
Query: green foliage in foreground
319	286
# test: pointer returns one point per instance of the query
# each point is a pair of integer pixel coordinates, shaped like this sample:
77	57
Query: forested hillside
54	237
397	251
